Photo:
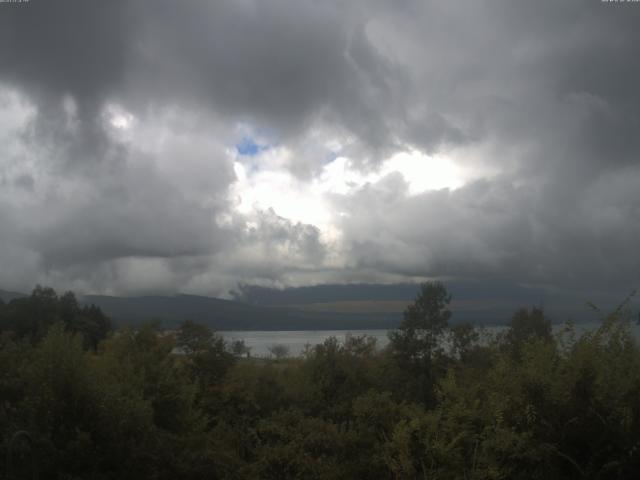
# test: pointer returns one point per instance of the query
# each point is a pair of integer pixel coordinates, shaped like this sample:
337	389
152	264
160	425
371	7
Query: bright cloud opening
424	172
118	118
264	182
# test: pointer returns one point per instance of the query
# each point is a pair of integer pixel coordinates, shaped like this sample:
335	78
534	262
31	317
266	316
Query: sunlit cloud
118	117
238	144
265	183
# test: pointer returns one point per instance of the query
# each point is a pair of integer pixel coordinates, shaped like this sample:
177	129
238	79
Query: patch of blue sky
331	156
248	147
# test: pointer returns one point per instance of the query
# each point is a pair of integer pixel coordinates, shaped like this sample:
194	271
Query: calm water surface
297	341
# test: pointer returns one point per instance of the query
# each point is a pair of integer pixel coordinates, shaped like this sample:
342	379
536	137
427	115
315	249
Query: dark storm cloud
280	65
283	66
494	229
140	216
73	47
423	73
543	94
552	88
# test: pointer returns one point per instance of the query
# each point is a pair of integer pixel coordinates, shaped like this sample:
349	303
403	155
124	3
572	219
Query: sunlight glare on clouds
289	197
120	121
118	118
15	111
266	183
424	172
420	171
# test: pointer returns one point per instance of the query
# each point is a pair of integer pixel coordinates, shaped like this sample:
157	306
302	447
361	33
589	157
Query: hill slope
229	315
8	296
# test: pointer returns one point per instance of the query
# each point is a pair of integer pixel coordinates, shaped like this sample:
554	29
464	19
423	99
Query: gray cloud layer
543	94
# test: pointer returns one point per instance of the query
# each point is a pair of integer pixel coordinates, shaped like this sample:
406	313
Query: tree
194	337
279	351
527	325
424	323
93	324
208	358
88	320
31	317
417	341
464	338
240	349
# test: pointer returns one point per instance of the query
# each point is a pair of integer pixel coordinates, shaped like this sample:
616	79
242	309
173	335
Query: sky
192	146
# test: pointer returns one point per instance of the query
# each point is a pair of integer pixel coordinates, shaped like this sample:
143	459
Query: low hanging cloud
414	140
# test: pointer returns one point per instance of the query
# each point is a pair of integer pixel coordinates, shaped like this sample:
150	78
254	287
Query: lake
297	340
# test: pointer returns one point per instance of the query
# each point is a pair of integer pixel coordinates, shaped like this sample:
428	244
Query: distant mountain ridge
331	307
466	290
321	307
7	296
221	314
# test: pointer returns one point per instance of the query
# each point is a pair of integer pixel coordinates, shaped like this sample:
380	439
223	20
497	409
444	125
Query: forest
80	400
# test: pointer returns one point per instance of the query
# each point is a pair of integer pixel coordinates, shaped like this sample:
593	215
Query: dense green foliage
31	317
440	402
